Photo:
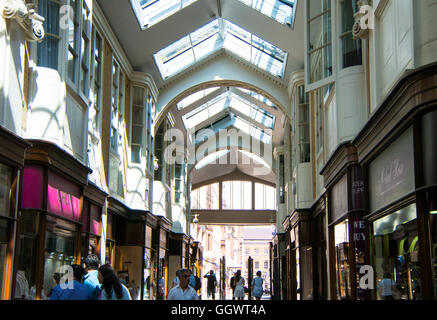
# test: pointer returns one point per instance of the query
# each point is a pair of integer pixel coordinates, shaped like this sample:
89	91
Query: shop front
12	151
298	273
397	152
50	219
91	230
346	228
161	244
178	243
278	267
319	250
134	255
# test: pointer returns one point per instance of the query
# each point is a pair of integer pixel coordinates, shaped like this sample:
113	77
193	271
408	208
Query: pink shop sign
63	203
32	195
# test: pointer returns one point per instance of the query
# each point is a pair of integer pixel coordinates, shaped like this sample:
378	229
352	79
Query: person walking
74	290
257	286
239	286
91	280
112	288
183	291
386	287
232	284
211	284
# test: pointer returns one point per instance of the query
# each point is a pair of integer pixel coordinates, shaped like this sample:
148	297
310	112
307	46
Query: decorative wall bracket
358	31
26	17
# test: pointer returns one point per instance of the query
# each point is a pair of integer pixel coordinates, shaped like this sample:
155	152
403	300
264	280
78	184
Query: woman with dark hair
112	288
239	286
257	286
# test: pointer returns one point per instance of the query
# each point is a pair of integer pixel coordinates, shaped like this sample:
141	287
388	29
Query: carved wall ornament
26	17
363	20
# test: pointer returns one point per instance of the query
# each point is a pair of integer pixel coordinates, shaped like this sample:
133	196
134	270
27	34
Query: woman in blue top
112	289
257	286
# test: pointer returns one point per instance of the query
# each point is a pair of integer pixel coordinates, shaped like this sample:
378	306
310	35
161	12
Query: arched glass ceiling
232	121
282	11
224	101
216	35
151	12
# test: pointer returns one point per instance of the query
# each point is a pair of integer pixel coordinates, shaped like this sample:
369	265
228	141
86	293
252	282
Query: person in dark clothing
212	283
72	290
232	283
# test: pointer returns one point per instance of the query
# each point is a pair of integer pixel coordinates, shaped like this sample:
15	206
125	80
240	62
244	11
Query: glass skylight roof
224	101
251	129
205	111
216	35
195	97
153	11
280	10
258	96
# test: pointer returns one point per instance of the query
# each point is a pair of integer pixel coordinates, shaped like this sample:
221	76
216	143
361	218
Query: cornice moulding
147	80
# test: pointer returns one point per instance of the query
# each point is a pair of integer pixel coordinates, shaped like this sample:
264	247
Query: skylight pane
204	112
195	97
206	47
178	62
209	39
154	11
237	46
204	32
252	130
280	10
175	49
245	107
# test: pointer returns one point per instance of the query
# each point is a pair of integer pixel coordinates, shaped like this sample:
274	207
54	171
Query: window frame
96	82
309	85
141	125
59	37
82	30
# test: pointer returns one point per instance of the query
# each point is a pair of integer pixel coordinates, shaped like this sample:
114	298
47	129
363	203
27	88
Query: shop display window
433	227
109	249
128	267
26	249
162	283
342	263
396	253
59	251
3	251
149	280
5	190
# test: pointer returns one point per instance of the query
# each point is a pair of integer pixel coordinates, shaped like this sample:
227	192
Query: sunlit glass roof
151	12
224	101
192	98
236	122
280	10
216	35
252	130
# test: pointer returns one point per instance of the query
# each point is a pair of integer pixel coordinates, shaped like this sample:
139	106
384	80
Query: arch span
218	83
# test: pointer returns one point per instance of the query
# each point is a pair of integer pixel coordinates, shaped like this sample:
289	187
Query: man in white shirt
183	291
